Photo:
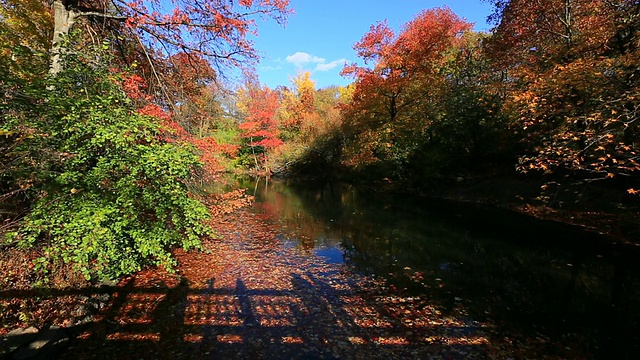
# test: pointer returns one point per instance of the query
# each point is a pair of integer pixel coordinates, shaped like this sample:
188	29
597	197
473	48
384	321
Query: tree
105	187
215	29
25	38
189	81
25	30
327	106
395	100
541	33
309	122
298	104
574	89
471	130
260	128
378	97
304	88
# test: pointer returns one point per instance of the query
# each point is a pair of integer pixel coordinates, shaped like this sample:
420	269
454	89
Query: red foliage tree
260	105
189	74
392	98
215	29
260	124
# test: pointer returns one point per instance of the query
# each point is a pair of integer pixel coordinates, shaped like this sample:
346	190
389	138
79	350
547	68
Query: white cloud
328	66
300	59
270	68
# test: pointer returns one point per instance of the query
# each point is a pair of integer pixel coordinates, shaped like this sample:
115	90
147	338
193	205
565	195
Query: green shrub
106	192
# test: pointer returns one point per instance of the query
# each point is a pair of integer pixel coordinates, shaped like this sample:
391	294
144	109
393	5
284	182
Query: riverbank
610	212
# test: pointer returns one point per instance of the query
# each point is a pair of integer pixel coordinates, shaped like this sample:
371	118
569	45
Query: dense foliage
110	112
572	84
107	192
98	152
552	91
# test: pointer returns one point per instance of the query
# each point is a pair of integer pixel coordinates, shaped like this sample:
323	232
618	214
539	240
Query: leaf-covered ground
249	297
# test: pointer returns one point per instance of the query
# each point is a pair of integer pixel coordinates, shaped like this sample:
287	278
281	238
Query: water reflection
332	254
533	277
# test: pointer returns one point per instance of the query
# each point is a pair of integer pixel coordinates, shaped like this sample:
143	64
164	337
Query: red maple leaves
216	29
135	87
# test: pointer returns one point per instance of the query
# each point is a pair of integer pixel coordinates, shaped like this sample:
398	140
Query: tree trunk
64	18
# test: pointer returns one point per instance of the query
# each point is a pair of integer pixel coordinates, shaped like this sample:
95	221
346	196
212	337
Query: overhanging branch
103	15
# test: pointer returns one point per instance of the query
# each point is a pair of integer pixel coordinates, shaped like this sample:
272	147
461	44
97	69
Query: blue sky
320	35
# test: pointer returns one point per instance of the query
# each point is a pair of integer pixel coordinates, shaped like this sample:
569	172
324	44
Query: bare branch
103	15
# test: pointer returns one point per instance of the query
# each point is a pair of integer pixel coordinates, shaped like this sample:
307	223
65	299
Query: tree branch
102	15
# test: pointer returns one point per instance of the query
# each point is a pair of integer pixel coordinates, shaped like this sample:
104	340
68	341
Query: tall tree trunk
64	18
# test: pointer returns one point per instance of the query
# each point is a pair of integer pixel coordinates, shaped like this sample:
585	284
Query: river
531	278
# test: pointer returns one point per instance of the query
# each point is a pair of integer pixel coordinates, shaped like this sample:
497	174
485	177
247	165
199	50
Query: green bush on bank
104	190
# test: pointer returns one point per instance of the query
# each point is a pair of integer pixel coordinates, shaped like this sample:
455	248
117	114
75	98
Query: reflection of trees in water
307	214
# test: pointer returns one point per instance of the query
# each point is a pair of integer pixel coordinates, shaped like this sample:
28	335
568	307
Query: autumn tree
25	38
103	173
215	29
304	89
25	33
298	104
189	81
176	46
573	89
310	122
326	104
466	130
395	98
259	105
323	136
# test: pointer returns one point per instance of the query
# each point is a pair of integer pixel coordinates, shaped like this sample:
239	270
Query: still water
531	278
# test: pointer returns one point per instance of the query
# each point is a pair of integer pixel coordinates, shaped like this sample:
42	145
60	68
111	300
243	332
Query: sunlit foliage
108	191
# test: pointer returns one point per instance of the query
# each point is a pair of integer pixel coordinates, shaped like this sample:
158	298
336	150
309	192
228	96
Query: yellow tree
304	89
297	102
309	120
26	30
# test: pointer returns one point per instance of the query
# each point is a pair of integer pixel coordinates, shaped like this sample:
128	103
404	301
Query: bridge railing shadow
311	319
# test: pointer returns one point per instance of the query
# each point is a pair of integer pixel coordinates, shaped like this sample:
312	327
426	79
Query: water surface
530	278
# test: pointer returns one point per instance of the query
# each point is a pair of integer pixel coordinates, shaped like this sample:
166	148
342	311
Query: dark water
530	278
